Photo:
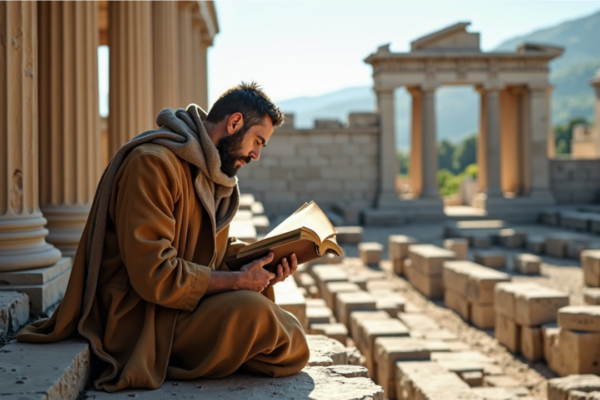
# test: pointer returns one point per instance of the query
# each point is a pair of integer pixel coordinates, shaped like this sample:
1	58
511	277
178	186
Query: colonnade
50	147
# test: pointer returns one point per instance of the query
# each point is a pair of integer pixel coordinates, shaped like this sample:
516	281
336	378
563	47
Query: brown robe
150	316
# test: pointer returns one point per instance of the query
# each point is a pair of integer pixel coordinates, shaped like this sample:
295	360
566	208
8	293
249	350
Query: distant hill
458	107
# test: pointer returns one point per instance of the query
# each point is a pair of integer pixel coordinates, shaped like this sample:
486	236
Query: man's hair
249	100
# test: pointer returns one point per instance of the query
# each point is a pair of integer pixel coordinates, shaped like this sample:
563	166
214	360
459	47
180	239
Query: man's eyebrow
264	142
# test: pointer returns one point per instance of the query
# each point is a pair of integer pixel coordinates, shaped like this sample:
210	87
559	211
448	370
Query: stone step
14	312
57	371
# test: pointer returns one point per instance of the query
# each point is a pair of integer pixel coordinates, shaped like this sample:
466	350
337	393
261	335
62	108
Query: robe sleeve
147	193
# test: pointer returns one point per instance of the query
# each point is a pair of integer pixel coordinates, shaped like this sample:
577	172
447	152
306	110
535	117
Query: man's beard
229	148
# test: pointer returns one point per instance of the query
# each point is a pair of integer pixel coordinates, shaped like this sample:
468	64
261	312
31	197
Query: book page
308	216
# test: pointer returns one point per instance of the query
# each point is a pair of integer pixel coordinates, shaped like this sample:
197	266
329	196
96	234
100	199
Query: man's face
239	148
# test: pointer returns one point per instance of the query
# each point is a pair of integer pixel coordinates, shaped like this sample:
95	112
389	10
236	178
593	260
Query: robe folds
150	316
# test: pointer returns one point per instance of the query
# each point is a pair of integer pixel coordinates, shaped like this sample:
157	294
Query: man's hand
285	269
254	277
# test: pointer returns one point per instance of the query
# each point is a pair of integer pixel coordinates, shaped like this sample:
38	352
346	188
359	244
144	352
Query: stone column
416	142
131	98
482	143
388	159
200	77
596	85
539	121
186	54
525	141
69	124
429	153
165	39
22	233
492	140
510	148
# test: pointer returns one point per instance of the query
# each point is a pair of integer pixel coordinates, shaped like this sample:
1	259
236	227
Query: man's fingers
286	267
294	265
262	261
271	276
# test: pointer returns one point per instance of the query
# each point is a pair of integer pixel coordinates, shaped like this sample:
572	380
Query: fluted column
539	124
186	53
69	124
200	76
416	142
22	233
165	37
388	162
131	101
492	140
596	85
429	153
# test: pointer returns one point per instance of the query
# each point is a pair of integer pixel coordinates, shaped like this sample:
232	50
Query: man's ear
235	122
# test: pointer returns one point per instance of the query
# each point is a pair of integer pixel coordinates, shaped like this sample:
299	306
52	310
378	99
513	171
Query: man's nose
255	155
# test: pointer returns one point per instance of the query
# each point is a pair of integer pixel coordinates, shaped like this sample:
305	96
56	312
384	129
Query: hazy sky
307	48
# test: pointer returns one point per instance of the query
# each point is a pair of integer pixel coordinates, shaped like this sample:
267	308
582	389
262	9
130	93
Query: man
149	288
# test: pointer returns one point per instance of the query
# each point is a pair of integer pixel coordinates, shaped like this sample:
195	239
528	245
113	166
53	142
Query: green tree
403	162
465	154
563	134
445	153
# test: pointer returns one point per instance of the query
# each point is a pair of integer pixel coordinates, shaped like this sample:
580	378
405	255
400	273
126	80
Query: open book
307	232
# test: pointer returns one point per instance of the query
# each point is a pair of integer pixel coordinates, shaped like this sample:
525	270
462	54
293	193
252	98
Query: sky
309	48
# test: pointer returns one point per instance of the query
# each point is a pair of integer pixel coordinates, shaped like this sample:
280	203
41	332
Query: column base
44	286
392	210
516	209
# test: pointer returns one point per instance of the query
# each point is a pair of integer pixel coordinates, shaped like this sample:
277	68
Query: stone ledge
57	371
14	312
346	382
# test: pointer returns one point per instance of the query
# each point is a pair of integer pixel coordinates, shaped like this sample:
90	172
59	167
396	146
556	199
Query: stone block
398	250
324	274
493	393
559	388
257	209
389	351
349	212
550	343
381	286
472	379
512	238
591	296
370	252
580	318
528	264
459	246
458	303
303	279
483	315
456	275
536	244
333	288
49	370
356	301
500	381
590	263
325	351
243	230
411	375
429	259
460	362
370	330
532	346
556	244
579	352
261	223
441	335
539	306
491	259
505	296
246	201
44	286
357	316
363	120
481	282
391	303
291	300
334	331
14	312
432	286
418	322
349	234
508	333
318	315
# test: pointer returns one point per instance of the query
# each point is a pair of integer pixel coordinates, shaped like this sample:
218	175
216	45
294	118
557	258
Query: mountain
458	107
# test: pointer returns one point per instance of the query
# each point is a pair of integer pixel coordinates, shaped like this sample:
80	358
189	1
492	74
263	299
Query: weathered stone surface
318	315
508	333
536	244
411	374
357	316
37	276
370	330
261	223
528	264
579	352
456	275
319	383
581	318
491	259
512	238
532	345
556	244
349	234
304	280
551	350
418	322
429	259
559	388
289	298
474	378
458	303
432	286
480	286
324	274
331	289
500	381
398	251
590	263
539	306
14	312
482	315
441	334
334	331
243	229
459	246
52	371
389	350
463	361
370	252
591	296
491	393
356	301
505	296
325	351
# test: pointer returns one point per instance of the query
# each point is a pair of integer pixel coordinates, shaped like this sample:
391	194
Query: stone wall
575	181
327	164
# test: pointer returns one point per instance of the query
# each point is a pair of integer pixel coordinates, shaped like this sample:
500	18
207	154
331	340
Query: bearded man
149	288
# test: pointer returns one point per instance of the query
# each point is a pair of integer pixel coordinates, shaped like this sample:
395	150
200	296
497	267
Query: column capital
384	91
492	86
429	87
540	87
